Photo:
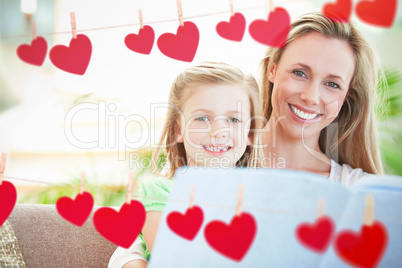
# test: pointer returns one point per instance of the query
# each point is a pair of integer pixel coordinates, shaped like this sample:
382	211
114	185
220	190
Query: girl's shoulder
155	183
345	174
154	192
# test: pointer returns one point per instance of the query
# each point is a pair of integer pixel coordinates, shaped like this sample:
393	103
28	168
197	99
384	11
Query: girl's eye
299	73
234	120
332	84
202	118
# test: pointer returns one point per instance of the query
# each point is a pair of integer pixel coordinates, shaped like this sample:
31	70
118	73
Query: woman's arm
151	227
134	256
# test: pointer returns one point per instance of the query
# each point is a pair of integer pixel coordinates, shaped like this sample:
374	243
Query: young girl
213	121
318	95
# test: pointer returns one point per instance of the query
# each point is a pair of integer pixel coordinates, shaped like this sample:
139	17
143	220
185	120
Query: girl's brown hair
203	74
353	137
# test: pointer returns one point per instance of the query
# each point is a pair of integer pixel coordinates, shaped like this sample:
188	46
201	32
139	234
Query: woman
318	96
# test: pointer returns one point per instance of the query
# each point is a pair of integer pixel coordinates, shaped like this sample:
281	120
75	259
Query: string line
145	23
287	212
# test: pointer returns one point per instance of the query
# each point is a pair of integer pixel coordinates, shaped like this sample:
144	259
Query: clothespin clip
368	217
73	25
180	12
239	206
129	188
231	8
191	204
321	208
270	6
2	166
34	30
82	182
141	19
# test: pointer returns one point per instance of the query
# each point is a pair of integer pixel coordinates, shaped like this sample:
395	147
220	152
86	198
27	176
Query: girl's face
215	125
311	82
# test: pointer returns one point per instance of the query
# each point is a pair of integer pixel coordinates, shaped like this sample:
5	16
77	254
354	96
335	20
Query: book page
279	201
387	193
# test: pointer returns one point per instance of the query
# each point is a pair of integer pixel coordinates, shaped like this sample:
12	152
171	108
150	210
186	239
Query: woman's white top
346	175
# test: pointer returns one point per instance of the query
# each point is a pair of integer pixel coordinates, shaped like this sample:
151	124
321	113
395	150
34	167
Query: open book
279	225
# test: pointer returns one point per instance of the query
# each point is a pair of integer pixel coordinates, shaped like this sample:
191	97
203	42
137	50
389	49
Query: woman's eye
299	73
332	84
234	120
202	118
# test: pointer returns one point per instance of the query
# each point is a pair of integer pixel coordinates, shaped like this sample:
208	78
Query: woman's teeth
217	149
301	114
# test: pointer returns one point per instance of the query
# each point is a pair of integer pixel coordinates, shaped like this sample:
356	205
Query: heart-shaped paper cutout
234	29
35	53
122	227
378	12
75	211
74	58
341	10
365	248
181	46
274	31
233	240
8	198
187	225
143	42
316	236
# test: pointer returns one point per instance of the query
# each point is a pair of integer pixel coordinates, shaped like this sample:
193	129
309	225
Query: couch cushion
10	254
47	240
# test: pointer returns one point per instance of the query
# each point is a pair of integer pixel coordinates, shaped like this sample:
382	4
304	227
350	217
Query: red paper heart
316	236
364	249
122	227
35	53
75	211
341	10
233	240
378	12
143	42
181	46
234	29
187	225
75	58
8	198
274	31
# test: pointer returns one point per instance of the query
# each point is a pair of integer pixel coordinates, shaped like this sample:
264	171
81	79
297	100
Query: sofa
47	240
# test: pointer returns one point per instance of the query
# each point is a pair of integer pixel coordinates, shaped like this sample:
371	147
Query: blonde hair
357	144
203	74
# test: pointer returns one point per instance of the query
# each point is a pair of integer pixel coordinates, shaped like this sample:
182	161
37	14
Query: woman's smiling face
311	82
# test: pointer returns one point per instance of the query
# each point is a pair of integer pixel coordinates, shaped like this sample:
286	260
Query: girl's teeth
303	115
216	149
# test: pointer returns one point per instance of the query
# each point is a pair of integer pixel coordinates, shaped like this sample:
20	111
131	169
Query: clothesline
270	210
134	24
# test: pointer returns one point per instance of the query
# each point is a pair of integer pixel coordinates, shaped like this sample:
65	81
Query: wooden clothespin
180	12
129	188
321	208
141	19
231	8
239	206
73	25
368	217
191	204
82	182
270	6
34	30
2	166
